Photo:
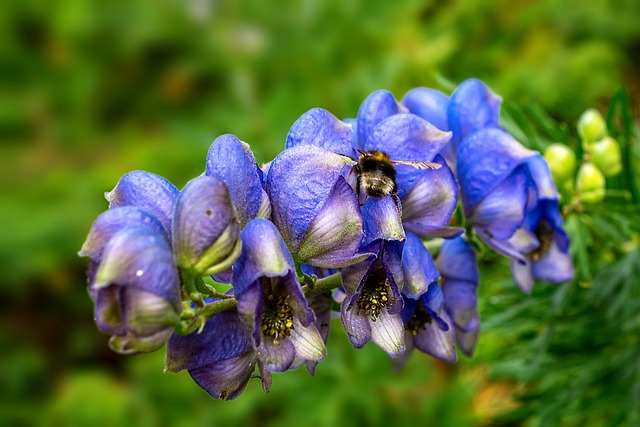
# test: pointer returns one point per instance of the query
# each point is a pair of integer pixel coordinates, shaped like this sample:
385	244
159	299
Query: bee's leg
356	168
396	200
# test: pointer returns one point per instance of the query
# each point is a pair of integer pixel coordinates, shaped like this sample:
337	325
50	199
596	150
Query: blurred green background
92	90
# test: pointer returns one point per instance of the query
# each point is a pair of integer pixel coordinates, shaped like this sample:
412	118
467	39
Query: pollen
544	233
277	317
374	294
419	320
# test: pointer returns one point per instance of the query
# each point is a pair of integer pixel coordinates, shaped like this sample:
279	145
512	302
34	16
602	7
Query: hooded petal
140	258
457	260
377	107
114	220
419	269
321	128
300	181
431	200
231	161
436	342
382	220
264	253
429	104
502	211
335	234
145	190
484	160
388	333
407	137
541	176
472	107
205	228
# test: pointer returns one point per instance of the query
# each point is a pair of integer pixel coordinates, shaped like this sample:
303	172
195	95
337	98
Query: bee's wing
418	165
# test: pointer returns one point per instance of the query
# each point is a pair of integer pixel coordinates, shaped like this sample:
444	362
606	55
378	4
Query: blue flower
314	208
220	358
136	289
509	197
271	302
205	229
460	277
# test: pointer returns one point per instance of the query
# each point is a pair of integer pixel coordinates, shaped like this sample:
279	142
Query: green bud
605	154
562	162
591	126
590	183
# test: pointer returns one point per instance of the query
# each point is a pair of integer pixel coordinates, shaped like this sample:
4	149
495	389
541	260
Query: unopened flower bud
562	162
205	227
605	154
591	126
590	183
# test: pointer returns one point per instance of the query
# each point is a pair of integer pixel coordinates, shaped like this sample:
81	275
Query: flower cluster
342	217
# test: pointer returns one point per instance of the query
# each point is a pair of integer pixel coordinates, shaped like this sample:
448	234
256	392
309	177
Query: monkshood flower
314	207
372	305
409	197
220	358
205	228
459	270
271	302
232	161
510	199
145	190
429	326
472	106
137	290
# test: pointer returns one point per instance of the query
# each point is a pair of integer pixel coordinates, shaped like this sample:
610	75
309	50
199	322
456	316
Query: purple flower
314	207
372	306
145	190
220	358
459	270
271	302
509	197
232	161
137	290
205	228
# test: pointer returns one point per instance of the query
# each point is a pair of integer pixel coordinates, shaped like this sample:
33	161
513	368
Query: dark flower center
374	294
277	317
419	319
544	234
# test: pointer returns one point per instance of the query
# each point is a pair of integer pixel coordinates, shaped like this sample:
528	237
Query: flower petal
472	107
205	228
132	344
431	200
335	234
232	161
433	303
145	190
110	222
225	379
387	331
377	107
541	176
407	137
321	128
554	265
436	342
502	211
462	302
276	358
484	160
418	267
264	253
522	275
308	342
140	258
503	247
299	182
356	324
429	104
382	220
457	260
467	340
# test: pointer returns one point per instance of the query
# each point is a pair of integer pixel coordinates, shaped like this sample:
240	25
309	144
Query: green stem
323	285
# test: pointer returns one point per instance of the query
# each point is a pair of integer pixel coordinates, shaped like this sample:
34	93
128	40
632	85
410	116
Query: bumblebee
376	174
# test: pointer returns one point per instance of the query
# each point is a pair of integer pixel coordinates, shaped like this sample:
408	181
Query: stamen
544	233
419	320
277	317
374	294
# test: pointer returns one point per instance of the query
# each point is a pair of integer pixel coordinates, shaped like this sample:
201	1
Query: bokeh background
90	90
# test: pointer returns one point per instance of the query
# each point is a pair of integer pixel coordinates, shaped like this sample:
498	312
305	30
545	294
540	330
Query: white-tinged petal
388	333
